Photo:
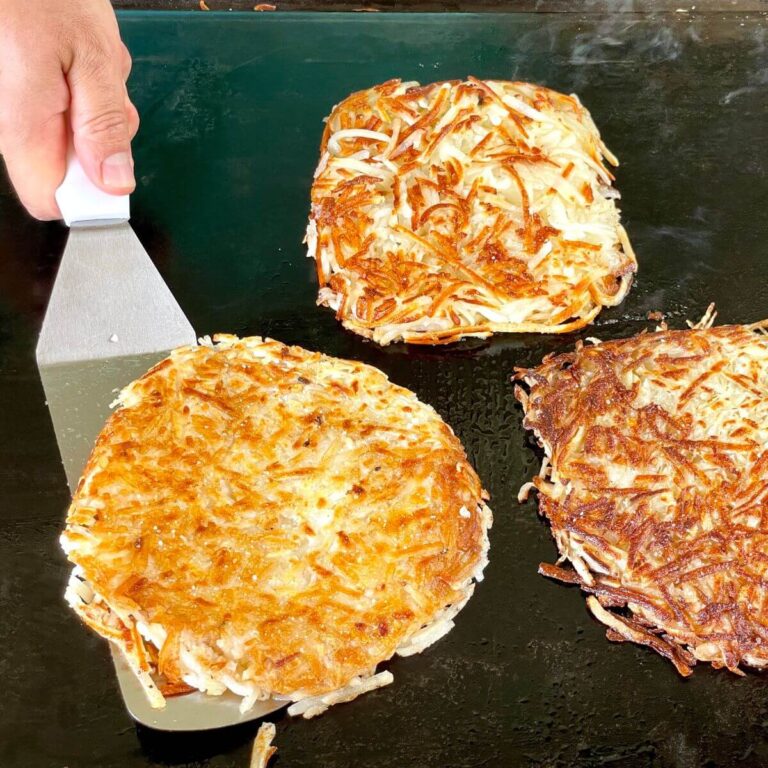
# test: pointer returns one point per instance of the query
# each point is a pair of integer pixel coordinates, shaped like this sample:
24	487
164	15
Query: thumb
101	123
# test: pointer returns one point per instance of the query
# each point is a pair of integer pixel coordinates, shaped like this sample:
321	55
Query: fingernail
117	170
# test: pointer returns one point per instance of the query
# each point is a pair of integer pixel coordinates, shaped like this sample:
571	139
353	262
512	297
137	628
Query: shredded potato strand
262	746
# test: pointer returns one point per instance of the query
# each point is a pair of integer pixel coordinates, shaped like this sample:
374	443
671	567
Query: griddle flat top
231	110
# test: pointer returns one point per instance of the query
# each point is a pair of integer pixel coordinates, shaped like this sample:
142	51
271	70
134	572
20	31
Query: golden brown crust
464	208
276	521
655	485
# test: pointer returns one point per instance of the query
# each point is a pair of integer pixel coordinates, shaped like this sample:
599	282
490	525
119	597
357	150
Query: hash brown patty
655	484
271	521
463	209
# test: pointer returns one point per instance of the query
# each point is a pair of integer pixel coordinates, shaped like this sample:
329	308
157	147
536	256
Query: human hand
63	68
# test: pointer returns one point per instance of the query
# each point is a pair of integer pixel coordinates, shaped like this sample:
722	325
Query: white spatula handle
80	200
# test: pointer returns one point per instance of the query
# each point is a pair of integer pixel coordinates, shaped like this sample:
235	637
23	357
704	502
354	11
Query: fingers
133	118
36	165
102	119
33	102
133	114
125	61
64	71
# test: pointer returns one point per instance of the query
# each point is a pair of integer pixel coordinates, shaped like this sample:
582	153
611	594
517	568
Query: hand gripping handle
80	200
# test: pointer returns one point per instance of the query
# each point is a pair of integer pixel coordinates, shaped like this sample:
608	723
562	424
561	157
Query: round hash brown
655	485
272	521
463	209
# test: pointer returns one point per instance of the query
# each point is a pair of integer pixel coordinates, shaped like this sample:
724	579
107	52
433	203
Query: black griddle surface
231	107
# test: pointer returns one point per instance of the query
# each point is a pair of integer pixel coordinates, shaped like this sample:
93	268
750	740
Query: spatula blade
78	395
109	319
109	301
191	712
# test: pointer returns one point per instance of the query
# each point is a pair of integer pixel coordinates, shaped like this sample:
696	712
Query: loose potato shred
262	746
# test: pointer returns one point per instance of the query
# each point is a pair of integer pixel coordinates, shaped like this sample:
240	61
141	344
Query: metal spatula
110	318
